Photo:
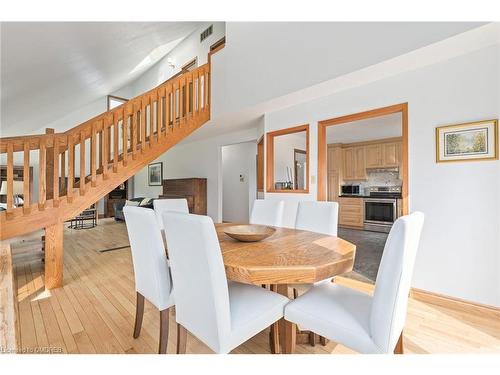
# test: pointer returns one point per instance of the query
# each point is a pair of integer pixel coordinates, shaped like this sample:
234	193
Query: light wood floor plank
94	311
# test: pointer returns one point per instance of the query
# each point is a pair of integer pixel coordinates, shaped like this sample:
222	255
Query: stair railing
111	139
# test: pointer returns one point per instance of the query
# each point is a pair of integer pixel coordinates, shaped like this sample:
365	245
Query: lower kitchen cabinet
351	212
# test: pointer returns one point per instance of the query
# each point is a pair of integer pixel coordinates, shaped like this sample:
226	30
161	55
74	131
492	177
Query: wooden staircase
107	150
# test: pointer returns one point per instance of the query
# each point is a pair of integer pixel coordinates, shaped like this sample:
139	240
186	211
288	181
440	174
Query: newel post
54	255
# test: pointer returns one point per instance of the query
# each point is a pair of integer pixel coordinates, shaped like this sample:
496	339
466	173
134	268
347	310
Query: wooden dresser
193	189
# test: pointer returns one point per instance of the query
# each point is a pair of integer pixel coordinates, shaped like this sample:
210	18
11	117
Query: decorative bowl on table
249	232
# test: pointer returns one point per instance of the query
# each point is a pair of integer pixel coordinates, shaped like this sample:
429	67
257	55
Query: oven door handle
381	200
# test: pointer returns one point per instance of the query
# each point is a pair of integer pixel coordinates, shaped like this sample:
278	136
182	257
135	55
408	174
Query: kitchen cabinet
354	163
358	157
333	187
351	212
348	163
374	155
334	166
391	154
359	163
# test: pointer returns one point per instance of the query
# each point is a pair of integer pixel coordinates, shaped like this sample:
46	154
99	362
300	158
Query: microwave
350	189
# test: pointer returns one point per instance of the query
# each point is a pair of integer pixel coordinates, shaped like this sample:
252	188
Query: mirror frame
270	158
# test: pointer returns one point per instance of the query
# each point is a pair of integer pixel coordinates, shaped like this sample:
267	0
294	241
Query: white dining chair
221	314
151	268
319	217
361	322
162	205
267	212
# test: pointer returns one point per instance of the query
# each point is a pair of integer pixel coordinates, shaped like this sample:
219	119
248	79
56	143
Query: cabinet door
331	159
333	187
359	163
391	154
348	156
373	156
337	160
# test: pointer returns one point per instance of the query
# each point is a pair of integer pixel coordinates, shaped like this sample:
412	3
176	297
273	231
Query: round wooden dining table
288	257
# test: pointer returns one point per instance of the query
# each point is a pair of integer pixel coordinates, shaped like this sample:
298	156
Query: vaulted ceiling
51	69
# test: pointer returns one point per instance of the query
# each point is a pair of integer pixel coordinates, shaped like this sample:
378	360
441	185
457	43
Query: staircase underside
19	222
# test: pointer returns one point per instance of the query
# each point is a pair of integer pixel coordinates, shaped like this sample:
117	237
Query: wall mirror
288	160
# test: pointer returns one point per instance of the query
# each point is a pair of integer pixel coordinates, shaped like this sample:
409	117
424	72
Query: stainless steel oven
380	214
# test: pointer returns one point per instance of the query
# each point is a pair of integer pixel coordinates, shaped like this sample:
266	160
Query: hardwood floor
94	311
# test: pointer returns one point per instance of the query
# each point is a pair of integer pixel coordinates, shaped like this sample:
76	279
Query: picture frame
472	141
155	174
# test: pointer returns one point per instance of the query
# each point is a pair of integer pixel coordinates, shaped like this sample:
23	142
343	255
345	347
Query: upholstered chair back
199	277
390	300
151	269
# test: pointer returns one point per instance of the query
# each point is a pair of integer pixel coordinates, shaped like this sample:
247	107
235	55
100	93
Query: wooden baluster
82	163
93	156
166	110
191	95
144	123
63	173
105	146
188	96
160	110
55	171
116	122
171	107
205	88
151	119
71	168
200	92
198	89
134	132
174	104
10	177
125	135
42	175
181	101
26	181
209	83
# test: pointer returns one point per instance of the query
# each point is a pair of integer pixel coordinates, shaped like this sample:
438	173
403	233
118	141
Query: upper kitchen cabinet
354	163
391	154
358	157
374	156
359	163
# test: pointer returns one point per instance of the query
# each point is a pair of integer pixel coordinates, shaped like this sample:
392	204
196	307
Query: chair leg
399	346
164	321
181	339
323	340
139	313
295	293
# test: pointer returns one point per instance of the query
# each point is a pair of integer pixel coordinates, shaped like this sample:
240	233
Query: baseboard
455	303
437	299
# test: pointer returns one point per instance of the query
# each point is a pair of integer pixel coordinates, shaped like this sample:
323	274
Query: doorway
363	165
239	185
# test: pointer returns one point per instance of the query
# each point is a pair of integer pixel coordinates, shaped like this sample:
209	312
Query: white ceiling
51	69
366	130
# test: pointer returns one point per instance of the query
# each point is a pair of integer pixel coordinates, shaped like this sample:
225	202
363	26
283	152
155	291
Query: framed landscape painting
467	142
155	174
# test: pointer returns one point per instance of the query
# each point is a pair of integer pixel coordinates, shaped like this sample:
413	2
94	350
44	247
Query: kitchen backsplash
379	177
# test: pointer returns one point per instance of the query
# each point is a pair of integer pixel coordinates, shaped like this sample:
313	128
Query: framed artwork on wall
471	141
155	174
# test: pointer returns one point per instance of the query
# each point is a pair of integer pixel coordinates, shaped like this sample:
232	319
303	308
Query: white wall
237	196
196	159
183	53
460	246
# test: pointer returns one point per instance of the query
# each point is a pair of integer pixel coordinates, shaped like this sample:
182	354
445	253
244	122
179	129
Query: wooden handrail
131	129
